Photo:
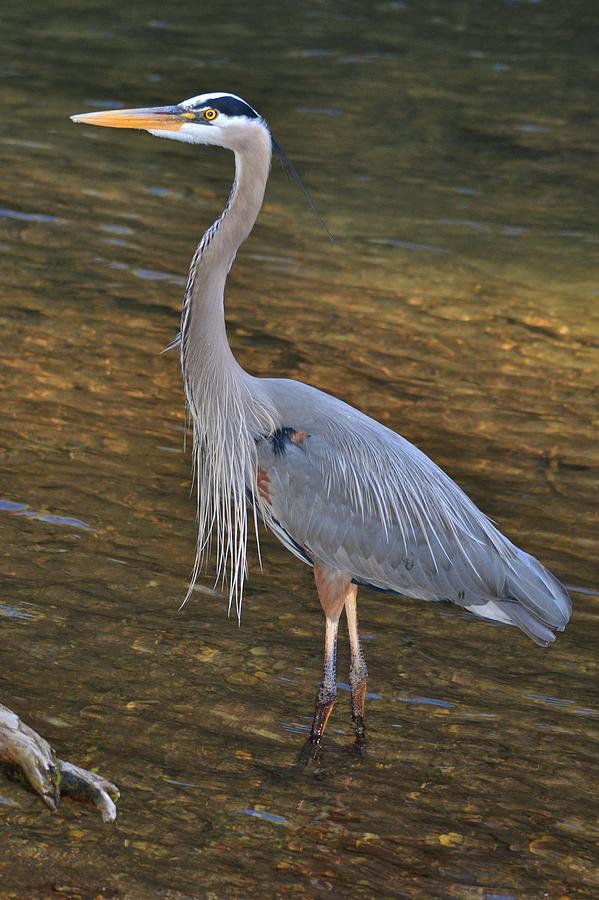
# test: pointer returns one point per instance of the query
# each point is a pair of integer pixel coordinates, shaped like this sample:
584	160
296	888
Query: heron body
345	494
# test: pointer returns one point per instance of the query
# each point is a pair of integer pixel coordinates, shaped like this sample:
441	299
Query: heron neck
204	337
227	407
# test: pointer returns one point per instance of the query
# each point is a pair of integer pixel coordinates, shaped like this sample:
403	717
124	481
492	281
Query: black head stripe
233	106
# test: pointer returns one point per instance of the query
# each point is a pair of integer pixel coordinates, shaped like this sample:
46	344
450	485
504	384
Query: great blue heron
345	494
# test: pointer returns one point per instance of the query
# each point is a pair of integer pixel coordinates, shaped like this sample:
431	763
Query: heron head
223	120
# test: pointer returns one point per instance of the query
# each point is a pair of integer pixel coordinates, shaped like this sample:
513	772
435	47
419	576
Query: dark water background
452	150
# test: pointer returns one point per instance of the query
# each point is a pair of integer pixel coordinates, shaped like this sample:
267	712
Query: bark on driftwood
33	757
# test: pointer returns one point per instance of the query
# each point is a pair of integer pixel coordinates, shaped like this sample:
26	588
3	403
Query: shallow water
451	149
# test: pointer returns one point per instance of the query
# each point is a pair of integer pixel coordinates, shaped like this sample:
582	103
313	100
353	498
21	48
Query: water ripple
23	509
427	701
266	816
6	213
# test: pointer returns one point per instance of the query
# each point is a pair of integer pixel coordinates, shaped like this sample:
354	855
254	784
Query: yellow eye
210	114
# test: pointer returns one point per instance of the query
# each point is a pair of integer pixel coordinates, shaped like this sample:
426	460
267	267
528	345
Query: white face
223	120
219	119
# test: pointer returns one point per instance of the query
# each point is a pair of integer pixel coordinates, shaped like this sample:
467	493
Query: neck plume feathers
225	406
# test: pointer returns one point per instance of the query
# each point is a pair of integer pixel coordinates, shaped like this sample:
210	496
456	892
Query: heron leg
358	673
332	586
327	692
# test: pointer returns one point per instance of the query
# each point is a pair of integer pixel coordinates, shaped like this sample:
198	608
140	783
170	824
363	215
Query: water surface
451	149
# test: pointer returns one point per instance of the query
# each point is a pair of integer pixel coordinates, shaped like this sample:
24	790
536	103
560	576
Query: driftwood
32	757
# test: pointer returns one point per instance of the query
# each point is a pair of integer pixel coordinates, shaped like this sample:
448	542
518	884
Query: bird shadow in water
323	759
316	752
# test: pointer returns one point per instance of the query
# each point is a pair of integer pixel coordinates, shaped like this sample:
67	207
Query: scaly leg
24	749
327	692
333	587
358	672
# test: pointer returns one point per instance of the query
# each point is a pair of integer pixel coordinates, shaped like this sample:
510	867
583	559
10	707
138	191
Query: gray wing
349	492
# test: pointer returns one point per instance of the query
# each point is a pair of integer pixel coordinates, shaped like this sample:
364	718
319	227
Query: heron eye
210	114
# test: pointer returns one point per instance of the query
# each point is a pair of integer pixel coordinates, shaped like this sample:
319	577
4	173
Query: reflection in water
484	354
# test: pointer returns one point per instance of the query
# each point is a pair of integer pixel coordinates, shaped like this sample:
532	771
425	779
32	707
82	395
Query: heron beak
159	118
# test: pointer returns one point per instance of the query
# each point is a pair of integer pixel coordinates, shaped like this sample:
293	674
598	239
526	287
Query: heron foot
359	727
31	758
358	699
359	746
310	751
321	717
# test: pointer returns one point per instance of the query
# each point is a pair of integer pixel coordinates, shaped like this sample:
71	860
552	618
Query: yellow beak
159	118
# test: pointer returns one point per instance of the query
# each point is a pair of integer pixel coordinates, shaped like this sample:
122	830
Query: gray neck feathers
225	405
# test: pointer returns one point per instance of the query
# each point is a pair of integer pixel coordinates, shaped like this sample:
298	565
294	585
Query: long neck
226	405
204	337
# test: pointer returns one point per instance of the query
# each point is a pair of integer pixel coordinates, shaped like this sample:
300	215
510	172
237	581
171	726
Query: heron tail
532	599
537	602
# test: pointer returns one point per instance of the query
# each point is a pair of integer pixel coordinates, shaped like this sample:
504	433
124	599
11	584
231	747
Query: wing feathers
364	500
